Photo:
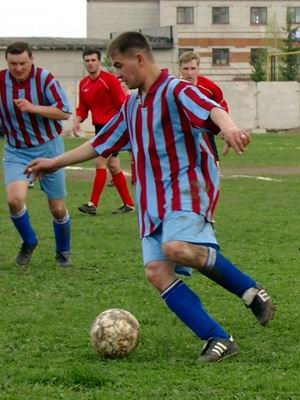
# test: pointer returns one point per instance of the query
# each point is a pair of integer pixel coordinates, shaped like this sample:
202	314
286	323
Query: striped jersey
162	131
23	129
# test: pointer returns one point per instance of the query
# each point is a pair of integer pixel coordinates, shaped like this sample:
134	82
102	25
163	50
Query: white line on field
88	169
262	178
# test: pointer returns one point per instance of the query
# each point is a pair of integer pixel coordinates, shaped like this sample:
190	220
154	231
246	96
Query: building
227	34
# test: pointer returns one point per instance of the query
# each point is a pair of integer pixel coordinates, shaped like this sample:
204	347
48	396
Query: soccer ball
115	333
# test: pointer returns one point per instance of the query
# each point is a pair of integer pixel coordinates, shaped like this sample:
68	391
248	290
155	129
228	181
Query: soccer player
160	123
101	93
32	105
189	64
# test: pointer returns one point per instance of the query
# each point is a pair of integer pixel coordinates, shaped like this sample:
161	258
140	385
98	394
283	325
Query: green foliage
258	62
46	312
289	69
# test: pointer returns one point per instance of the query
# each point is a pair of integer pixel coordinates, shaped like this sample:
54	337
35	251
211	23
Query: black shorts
97	129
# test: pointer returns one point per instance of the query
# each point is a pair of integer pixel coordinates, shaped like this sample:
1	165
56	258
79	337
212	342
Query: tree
289	69
258	62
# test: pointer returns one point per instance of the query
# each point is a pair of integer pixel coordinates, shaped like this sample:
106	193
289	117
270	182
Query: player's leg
184	302
179	233
16	184
53	185
98	185
62	231
120	183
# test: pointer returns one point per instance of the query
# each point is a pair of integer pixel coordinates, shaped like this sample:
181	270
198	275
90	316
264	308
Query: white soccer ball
115	333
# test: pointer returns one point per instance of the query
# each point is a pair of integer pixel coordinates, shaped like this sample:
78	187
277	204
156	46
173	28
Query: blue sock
226	274
23	226
188	308
62	232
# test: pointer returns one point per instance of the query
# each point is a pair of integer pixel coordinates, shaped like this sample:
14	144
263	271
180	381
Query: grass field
46	313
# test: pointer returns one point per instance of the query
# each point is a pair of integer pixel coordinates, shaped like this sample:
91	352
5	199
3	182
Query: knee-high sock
22	223
224	273
62	233
122	188
188	308
98	185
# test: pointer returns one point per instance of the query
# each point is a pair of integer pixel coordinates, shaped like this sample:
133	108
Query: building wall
105	17
239	36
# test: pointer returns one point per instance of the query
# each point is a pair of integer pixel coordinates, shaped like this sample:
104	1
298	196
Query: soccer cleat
88	209
24	256
125	208
216	349
262	306
30	185
63	259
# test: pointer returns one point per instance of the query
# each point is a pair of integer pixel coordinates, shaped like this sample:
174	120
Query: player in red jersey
189	63
101	93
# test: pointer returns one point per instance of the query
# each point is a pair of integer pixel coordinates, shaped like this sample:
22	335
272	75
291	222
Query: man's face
19	65
189	71
128	69
92	63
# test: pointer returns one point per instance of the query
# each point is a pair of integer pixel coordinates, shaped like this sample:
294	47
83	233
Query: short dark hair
18	48
128	41
92	50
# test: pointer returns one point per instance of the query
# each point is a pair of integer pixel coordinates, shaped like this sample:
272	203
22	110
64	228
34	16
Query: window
220	57
258	16
294	14
258	54
182	50
185	15
220	15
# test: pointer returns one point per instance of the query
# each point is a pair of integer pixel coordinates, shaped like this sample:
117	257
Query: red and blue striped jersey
162	131
24	129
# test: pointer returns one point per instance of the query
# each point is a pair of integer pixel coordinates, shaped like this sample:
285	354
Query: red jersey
102	96
212	91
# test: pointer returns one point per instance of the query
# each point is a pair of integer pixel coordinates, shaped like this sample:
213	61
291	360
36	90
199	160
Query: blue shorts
185	226
15	161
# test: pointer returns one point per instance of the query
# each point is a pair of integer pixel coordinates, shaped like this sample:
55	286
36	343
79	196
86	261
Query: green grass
46	313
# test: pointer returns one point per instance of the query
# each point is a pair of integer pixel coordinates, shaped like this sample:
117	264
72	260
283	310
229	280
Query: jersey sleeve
82	109
55	95
196	106
113	137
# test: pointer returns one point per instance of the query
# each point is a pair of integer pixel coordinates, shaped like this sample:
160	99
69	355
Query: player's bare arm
233	136
76	126
44	111
43	166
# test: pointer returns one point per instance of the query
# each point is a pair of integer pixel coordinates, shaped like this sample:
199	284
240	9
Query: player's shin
224	273
188	307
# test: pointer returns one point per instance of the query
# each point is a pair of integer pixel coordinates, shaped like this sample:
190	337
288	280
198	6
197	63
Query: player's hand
24	105
39	167
76	129
236	138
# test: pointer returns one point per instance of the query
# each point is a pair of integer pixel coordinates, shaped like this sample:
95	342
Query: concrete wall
264	105
268	105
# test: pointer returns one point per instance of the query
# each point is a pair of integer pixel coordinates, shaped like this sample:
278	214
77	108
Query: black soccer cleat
217	349
262	306
88	209
63	259
24	255
125	208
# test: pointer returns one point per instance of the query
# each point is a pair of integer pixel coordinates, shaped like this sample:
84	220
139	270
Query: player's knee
154	273
58	211
172	250
15	204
